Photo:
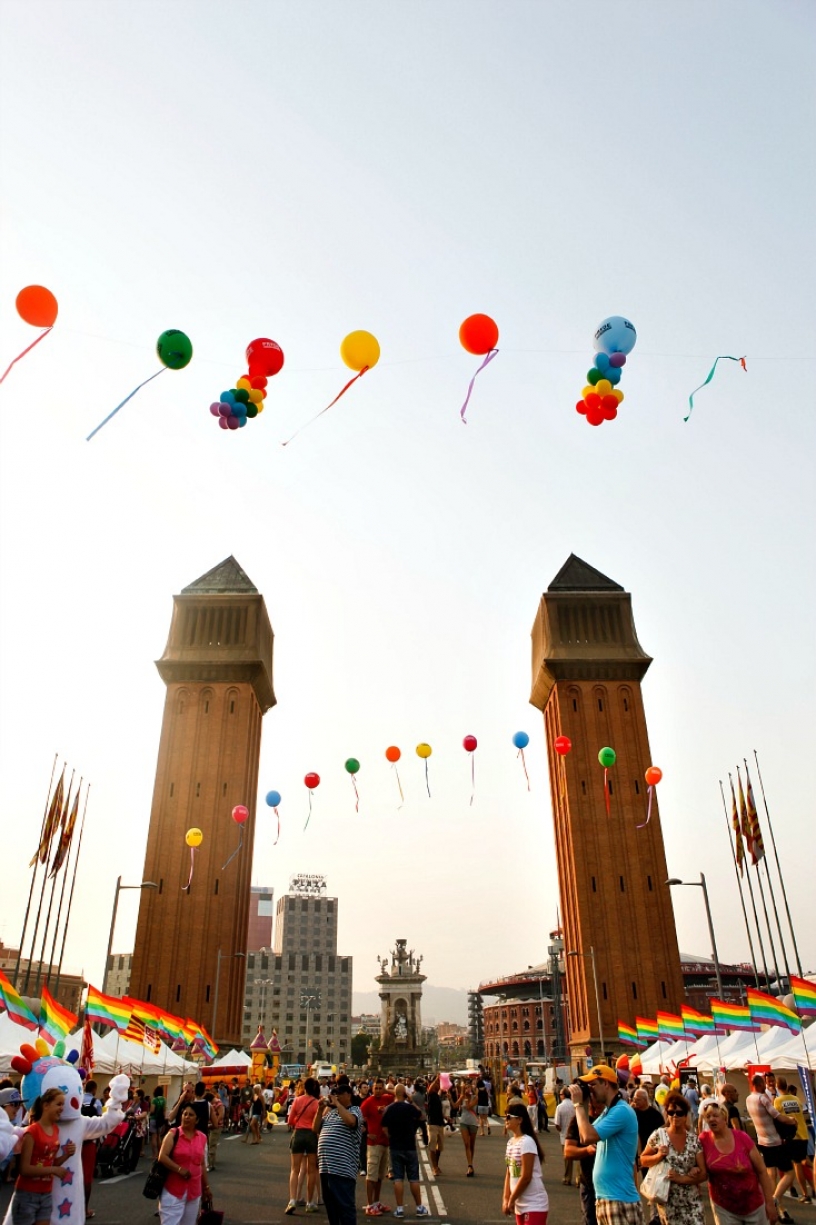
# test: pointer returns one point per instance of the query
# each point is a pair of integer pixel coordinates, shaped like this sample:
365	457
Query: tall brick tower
587	669
217	667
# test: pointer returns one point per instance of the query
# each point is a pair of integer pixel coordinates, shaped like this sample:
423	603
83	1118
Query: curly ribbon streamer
124	402
277	835
606	789
186	888
427	780
643	824
41	336
328	406
399	784
308	819
356	794
524	763
724	357
235	852
493	353
472	777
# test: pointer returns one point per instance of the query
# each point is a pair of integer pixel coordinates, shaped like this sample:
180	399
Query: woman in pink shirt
187	1188
740	1189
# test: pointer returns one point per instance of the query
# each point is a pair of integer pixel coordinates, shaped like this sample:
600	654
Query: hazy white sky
298	170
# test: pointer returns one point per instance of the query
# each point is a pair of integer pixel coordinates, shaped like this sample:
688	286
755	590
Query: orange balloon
653	776
478	334
38	306
393	753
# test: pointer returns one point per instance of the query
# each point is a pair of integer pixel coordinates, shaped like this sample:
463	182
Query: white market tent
232	1059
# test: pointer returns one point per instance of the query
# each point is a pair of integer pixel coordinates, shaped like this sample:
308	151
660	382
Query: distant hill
438	1004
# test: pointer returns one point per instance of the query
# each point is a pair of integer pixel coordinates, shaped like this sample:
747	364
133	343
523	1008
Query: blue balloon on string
273	798
521	740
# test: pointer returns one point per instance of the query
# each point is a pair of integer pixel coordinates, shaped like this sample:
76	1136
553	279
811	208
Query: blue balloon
273	798
241	422
615	335
521	740
601	362
227	397
613	375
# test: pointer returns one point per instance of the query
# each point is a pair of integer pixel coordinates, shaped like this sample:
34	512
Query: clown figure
41	1072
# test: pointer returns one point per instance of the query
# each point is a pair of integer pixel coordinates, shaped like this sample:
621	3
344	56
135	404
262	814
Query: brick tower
217	667
587	669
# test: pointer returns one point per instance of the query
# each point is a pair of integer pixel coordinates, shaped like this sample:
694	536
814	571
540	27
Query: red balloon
593	400
478	334
581	407
259	382
562	745
469	743
312	781
38	306
622	1062
594	416
609	414
609	402
240	813
393	754
264	357
653	775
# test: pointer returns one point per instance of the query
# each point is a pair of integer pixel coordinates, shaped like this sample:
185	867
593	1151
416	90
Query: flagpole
42	896
739	888
34	873
764	858
762	899
756	916
73	882
778	868
64	879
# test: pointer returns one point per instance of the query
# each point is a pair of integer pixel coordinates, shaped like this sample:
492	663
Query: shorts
436	1137
376	1162
723	1217
405	1164
797	1150
531	1218
618	1212
303	1140
776	1156
486	1110
471	1127
30	1206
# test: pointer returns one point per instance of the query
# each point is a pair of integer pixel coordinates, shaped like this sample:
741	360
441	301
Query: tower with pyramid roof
587	670
217	667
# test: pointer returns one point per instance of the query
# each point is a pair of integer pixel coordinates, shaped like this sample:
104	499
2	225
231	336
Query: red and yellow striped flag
51	822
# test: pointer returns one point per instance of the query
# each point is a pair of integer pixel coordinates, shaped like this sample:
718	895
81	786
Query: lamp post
217	985
309	998
591	955
701	884
554	952
541	1006
146	884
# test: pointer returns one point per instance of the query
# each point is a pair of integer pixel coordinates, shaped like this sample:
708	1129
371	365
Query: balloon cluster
614	338
244	401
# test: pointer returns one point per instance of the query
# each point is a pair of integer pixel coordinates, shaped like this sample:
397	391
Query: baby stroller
115	1154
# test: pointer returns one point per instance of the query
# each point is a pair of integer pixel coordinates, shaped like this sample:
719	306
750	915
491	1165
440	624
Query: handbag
210	1216
157	1177
656	1186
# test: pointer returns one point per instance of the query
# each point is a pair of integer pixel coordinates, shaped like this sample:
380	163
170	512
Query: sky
301	170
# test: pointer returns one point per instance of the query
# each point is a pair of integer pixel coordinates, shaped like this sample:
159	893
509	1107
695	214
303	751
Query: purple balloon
224	409
616	360
232	423
215	409
222	421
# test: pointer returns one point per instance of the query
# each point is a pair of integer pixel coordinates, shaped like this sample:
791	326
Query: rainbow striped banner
15	1005
770	1011
732	1016
107	1010
56	1021
697	1023
804	996
628	1035
670	1026
646	1029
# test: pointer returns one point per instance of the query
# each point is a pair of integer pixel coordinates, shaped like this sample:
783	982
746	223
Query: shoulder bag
154	1183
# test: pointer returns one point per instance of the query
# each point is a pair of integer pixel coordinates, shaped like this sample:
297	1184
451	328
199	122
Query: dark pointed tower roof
577	575
227	578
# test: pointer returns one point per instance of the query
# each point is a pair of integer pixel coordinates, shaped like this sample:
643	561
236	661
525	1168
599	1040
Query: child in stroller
115	1153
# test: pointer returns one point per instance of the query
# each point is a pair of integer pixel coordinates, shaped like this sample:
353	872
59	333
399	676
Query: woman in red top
738	1183
40	1161
303	1145
187	1189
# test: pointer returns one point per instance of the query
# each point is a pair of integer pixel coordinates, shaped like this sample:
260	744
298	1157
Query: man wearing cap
10	1103
615	1136
339	1126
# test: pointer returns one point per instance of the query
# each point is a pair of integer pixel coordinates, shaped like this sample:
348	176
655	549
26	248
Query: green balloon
352	765
175	350
607	757
241	394
594	376
252	409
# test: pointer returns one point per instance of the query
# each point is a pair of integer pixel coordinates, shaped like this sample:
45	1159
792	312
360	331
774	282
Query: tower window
634	991
232	707
637	787
178	993
594	885
208	994
149	989
583	787
198	790
663	989
622	886
161	883
224	789
600	703
171	790
207	707
649	883
574	703
216	886
603	984
625	703
609	785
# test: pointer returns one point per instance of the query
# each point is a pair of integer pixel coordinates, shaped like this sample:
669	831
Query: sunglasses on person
676	1114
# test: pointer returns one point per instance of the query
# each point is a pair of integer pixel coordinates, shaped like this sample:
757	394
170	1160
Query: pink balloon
240	813
232	423
215	409
222	421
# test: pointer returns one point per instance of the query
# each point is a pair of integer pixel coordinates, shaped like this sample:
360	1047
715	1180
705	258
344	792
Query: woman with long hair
677	1146
524	1192
467	1104
303	1145
39	1160
187	1189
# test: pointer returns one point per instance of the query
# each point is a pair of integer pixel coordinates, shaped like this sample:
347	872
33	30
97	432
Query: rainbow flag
646	1030
56	1021
15	1005
804	996
628	1035
670	1026
697	1023
107	1010
202	1040
770	1011
732	1016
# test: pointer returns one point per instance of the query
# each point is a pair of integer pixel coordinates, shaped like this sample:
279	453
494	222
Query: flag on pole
804	996
64	844
56	1021
51	822
735	825
770	1011
670	1026
86	1054
142	1034
697	1023
732	1016
15	1005
757	841
628	1035
106	1010
646	1029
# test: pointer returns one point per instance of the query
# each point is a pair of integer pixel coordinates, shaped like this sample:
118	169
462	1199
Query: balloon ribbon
606	790
124	402
493	353
328	406
356	794
41	336
724	357
524	763
308	819
427	780
472	778
648	811
186	888
235	852
277	814
399	784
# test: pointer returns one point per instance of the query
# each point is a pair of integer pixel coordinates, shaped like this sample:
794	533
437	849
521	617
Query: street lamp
701	884
541	1005
217	984
591	955
146	884
309	999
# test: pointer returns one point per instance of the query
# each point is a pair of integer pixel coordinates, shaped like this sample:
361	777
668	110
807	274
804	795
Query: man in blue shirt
615	1135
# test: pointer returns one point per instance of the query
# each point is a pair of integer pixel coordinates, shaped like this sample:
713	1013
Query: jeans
588	1204
338	1196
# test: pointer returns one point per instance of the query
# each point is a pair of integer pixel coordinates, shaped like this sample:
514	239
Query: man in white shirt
564	1114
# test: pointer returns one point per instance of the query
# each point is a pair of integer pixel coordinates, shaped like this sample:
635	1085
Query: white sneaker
399	1212
422	1210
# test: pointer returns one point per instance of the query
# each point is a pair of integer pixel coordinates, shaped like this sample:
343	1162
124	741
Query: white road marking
440	1203
427	1174
109	1182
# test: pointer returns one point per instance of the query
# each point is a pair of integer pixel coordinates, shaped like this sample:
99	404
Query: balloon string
277	814
308	819
328	406
493	353
524	763
724	357
606	790
41	336
356	794
427	780
648	811
235	852
118	406
186	888
399	784
472	778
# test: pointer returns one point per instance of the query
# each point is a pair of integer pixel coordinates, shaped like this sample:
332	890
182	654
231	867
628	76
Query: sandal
470	1172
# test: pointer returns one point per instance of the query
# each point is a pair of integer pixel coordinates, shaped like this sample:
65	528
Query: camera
586	1093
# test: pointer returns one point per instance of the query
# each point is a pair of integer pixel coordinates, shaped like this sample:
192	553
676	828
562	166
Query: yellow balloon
194	837
424	750
587	391
277	1107
256	395
260	406
617	394
603	387
360	349
245	383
